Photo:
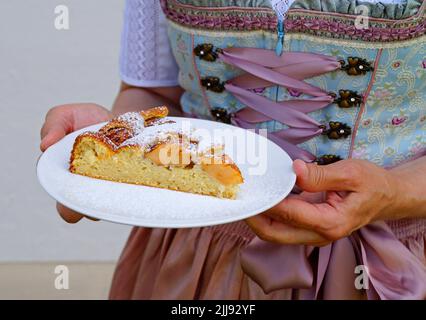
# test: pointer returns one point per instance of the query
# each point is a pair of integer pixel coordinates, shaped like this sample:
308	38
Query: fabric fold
393	272
275	266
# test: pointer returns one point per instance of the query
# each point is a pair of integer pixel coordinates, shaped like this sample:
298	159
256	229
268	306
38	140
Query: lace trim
343	27
138	47
389	9
281	7
355	44
297	21
145	53
301	36
241	19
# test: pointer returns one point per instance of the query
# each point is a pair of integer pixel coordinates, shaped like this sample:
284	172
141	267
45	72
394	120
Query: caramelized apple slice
157	112
169	154
222	169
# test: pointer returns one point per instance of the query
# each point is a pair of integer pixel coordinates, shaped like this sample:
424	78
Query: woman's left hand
337	200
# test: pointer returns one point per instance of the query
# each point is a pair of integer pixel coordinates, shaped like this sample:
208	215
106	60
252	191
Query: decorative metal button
356	66
213	84
206	52
348	99
337	130
327	159
220	114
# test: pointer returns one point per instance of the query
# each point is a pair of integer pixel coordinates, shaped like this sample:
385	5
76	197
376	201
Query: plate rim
149	223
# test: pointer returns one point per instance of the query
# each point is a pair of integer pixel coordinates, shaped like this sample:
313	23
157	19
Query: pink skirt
205	263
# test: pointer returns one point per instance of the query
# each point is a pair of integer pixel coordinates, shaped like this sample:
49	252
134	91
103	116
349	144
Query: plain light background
41	67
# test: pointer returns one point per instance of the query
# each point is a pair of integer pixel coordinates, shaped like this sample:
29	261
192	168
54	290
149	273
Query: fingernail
42	146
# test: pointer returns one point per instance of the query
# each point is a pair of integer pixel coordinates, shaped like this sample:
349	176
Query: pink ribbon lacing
394	272
264	69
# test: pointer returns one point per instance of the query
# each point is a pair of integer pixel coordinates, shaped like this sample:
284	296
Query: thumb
312	177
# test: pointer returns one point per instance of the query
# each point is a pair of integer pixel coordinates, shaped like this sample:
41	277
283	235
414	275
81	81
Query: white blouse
146	59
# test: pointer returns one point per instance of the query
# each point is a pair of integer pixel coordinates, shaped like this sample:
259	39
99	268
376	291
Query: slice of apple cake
148	148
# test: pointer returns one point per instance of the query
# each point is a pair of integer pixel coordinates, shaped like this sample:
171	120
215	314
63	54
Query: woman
326	91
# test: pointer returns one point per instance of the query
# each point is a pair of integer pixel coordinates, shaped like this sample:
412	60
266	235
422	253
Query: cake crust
147	148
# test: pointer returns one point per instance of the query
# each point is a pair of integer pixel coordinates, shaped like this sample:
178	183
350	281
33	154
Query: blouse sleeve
146	59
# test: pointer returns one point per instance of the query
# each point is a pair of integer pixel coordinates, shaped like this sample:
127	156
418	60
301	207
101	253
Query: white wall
41	67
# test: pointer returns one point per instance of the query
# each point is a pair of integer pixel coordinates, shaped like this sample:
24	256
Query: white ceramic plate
268	176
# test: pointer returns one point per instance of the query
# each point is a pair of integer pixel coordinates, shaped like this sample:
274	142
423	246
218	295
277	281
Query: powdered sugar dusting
135	120
153	207
159	132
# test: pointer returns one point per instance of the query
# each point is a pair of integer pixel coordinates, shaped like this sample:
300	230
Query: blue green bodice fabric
389	127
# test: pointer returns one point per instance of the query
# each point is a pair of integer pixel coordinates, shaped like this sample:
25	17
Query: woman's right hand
62	120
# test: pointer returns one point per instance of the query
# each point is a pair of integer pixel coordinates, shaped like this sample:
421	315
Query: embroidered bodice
371	91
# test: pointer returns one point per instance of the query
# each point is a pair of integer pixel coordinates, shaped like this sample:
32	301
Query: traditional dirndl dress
326	89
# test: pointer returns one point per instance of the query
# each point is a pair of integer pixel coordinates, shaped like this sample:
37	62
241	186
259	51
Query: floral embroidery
382	93
258	90
417	146
396	64
389	151
396	105
392	118
360	150
181	45
366	123
297	21
412	94
385	96
397	121
294	93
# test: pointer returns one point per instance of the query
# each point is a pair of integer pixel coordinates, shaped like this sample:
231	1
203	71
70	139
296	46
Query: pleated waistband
406	228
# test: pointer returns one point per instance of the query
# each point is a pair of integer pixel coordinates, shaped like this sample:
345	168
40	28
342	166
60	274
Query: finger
91	218
311	197
271	230
299	213
61	116
53	134
67	214
58	123
339	176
